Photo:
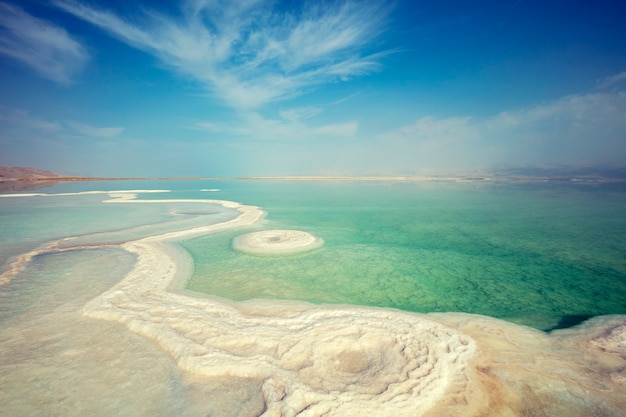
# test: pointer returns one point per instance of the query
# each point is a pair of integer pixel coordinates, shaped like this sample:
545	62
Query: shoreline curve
342	361
351	361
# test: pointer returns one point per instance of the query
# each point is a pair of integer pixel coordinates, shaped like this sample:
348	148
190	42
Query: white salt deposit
331	361
353	361
277	242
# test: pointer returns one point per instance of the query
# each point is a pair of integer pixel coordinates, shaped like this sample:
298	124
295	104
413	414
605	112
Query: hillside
25	179
24	172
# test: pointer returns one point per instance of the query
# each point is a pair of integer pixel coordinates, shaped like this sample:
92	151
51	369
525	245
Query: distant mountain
25	179
24	173
597	172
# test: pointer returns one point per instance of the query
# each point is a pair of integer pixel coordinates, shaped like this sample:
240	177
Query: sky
226	88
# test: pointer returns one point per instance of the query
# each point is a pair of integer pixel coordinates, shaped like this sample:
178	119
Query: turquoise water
28	222
544	255
56	362
540	254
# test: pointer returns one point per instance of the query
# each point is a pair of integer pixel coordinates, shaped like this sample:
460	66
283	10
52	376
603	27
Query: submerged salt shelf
542	255
277	242
267	357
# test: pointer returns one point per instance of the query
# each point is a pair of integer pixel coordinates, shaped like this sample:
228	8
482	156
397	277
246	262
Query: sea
543	254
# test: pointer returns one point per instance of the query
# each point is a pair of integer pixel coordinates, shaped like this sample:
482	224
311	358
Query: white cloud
613	80
22	124
92	131
247	53
46	48
222	128
254	126
339	129
587	128
299	113
428	129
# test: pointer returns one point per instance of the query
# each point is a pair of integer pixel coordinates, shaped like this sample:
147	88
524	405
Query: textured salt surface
352	361
331	361
313	361
277	242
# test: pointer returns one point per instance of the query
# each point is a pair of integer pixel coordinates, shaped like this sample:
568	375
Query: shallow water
55	362
539	254
535	254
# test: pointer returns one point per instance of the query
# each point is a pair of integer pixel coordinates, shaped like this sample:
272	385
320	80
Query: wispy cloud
346	129
247	52
22	124
299	113
290	127
613	80
39	44
586	128
93	131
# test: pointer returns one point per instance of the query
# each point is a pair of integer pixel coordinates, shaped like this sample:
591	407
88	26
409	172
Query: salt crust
353	361
313	361
277	242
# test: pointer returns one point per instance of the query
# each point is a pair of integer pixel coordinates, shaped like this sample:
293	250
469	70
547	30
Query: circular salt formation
277	242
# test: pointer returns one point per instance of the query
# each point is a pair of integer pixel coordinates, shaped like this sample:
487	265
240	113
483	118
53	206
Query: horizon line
407	178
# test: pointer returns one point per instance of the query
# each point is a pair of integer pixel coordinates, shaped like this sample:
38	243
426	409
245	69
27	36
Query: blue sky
253	87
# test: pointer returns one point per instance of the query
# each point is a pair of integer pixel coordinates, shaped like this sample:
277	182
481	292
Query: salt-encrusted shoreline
313	361
353	361
16	264
343	361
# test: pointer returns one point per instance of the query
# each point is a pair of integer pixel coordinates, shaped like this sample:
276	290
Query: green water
536	254
540	254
